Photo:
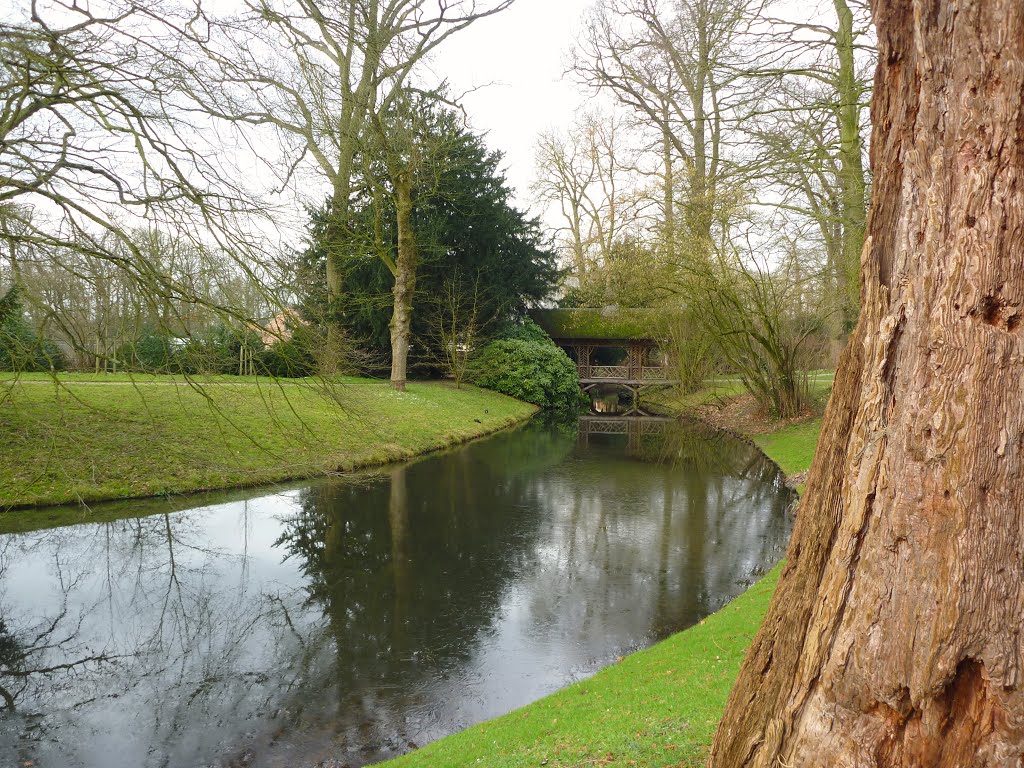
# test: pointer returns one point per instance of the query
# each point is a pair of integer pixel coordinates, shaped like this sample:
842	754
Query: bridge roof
609	323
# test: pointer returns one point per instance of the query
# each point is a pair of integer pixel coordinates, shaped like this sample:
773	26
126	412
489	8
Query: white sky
521	52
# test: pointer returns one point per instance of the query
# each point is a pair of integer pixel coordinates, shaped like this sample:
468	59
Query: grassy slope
89	441
658	707
792	447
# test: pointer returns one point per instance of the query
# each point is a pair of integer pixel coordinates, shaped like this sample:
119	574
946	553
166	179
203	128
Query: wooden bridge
585	333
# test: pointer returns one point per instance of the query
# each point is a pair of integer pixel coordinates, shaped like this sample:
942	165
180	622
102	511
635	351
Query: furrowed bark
405	282
894	638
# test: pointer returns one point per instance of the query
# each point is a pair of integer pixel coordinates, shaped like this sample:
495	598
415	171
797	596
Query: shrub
215	350
152	352
535	371
290	358
523	330
22	350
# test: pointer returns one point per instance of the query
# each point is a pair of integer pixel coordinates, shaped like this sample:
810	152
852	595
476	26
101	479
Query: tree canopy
469	234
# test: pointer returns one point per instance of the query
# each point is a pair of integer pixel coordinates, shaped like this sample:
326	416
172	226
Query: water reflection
355	619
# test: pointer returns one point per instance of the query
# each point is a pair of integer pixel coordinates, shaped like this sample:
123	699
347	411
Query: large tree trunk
405	282
356	106
894	638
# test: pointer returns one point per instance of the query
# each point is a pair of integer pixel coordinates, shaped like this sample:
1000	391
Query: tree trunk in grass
895	635
405	281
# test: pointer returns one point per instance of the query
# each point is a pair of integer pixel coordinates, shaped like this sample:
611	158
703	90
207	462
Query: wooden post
585	352
635	361
578	351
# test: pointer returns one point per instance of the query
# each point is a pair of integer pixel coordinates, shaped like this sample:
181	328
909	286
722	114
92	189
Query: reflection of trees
11	657
542	443
735	505
409	571
146	618
19	666
689	531
736	513
693	446
35	650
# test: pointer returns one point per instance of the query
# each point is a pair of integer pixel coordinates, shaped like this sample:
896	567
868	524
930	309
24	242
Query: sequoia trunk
894	637
405	281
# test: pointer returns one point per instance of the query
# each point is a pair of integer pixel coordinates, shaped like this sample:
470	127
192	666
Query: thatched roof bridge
588	335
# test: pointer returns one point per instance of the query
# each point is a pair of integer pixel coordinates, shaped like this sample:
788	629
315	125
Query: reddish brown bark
895	635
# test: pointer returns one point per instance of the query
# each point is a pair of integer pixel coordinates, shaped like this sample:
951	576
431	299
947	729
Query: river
343	621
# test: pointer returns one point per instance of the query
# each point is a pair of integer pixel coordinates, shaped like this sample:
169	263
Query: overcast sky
521	52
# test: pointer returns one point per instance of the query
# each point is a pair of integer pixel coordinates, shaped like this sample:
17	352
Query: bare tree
675	64
318	74
587	174
564	174
756	318
812	133
457	325
95	308
95	143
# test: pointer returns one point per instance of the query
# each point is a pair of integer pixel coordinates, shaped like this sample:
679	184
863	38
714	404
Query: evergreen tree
468	233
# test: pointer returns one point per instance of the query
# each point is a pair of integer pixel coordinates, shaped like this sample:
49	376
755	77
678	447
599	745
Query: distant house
280	327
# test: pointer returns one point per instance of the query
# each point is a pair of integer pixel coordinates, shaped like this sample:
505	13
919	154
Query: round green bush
535	371
524	329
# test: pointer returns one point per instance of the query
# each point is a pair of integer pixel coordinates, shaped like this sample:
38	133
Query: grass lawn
713	391
89	438
657	707
792	447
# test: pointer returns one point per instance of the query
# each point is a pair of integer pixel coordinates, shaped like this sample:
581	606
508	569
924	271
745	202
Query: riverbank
92	438
657	707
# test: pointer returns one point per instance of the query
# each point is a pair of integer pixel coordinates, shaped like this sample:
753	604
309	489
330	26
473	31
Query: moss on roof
607	323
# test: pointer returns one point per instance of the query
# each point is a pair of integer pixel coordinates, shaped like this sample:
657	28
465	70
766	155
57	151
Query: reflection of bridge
634	427
635	334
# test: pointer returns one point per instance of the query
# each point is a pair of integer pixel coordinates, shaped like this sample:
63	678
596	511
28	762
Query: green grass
792	447
713	391
82	440
723	388
657	707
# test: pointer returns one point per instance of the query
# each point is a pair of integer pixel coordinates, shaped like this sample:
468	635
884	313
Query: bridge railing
654	373
609	372
624	373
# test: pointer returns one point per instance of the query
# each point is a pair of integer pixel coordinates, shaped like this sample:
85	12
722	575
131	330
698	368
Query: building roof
608	323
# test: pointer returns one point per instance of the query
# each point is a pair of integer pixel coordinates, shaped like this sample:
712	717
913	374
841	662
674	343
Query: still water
343	621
